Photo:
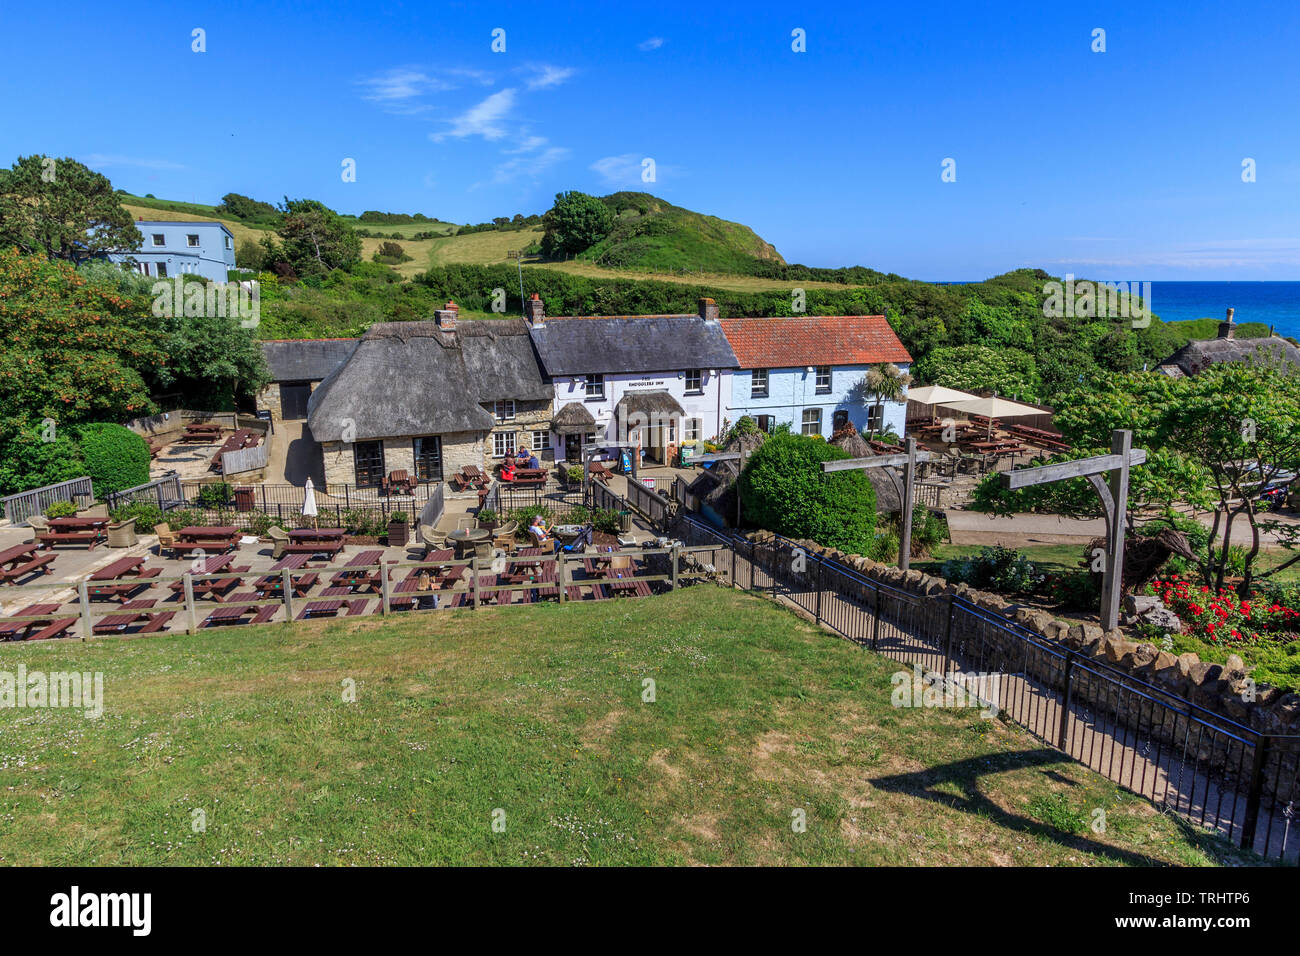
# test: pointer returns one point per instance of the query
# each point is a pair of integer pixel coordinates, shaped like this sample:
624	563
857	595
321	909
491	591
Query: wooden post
87	625
384	589
561	573
189	603
473	573
675	564
286	584
909	475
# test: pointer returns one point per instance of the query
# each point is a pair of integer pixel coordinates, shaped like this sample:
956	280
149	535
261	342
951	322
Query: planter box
489	525
399	533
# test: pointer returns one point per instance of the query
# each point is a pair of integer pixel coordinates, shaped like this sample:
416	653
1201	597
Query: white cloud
654	43
107	160
545	76
625	170
532	164
482	119
397	89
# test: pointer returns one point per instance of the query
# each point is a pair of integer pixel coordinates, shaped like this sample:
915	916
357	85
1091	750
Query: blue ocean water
1272	303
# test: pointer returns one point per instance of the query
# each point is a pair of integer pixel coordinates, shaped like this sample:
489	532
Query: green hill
655	236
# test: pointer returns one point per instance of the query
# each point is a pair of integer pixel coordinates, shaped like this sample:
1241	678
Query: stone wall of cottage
529	417
458	449
268	399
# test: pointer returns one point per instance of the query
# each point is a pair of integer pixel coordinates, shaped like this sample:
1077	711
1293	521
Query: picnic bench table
317	534
331	608
235	614
530	476
400	481
22	560
74	530
357	571
628	587
42	626
98	584
202	434
133	612
206	538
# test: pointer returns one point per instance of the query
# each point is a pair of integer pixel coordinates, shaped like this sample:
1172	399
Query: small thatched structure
888	482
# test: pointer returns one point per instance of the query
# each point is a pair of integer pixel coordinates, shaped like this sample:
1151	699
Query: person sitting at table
507	470
533	462
541	533
521	458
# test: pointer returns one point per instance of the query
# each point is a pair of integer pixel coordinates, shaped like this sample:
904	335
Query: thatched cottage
1195	357
429	398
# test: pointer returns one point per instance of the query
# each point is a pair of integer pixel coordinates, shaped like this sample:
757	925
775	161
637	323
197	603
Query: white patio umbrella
937	395
309	503
992	408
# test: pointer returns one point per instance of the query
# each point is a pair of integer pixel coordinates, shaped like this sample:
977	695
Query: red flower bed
1223	618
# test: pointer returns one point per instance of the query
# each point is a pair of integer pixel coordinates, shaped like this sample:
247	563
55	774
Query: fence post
818	614
1062	732
947	638
1256	792
675	564
473	574
734	582
286	585
561	574
189	603
384	587
87	627
875	616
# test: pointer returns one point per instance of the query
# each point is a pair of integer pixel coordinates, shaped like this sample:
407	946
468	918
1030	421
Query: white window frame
503	444
506	403
541	441
230	243
159	239
598	381
806	422
817	380
192	240
754	390
692	429
696	375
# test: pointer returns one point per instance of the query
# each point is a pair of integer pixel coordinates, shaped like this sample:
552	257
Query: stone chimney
534	312
708	310
446	316
1226	327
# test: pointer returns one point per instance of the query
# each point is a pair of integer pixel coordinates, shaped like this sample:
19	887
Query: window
875	417
159	239
192	239
766	423
758	383
503	443
839	420
595	387
691	429
823	378
230	243
428	458
694	381
541	441
162	270
368	456
144	267
504	411
812	421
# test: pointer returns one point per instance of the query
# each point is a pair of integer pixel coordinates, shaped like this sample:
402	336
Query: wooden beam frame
908	460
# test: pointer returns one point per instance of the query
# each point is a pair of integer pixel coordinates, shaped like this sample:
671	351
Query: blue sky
1125	164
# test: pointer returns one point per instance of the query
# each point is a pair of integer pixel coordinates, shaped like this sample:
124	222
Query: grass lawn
538	712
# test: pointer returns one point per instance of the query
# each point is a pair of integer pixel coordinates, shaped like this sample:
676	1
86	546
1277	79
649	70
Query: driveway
295	456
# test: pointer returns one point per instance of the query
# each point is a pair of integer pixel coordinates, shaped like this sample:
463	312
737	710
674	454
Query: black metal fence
1186	759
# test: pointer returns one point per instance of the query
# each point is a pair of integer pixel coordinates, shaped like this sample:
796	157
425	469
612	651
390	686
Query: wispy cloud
626	169
531	162
108	160
544	76
399	89
654	43
482	119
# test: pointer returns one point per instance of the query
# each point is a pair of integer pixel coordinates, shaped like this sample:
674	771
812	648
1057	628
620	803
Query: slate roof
814	340
412	378
1199	355
631	343
305	360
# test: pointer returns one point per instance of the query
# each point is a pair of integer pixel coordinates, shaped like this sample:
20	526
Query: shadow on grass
967	774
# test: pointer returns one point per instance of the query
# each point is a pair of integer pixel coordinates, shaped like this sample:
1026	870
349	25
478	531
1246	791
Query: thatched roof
634	343
573	418
1196	357
413	378
305	360
654	403
888	482
853	443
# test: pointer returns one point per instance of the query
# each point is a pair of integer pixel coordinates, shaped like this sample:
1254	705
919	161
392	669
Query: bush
606	521
1074	590
215	495
115	457
28	461
995	569
146	515
61	509
784	490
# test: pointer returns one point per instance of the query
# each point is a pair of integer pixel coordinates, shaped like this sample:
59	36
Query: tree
885	382
972	368
314	240
783	489
250	255
62	210
1213	441
33	455
115	457
576	222
247	208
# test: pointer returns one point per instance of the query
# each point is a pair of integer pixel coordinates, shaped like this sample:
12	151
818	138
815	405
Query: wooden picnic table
133	612
206	538
44	624
317	534
235	614
358	570
331	608
74	530
21	560
121	568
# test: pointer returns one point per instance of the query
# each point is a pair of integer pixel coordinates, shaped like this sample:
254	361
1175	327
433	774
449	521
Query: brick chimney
708	310
446	316
1226	327
534	312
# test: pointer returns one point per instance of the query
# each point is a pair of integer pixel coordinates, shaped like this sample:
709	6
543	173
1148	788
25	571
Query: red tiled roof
813	340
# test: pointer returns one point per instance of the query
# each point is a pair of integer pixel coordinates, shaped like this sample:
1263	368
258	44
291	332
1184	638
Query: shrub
214	495
995	569
184	518
146	515
606	521
115	457
398	517
573	474
884	548
1075	590
61	509
784	490
259	522
1223	617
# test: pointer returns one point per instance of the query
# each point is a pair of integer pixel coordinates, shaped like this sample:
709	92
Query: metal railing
651	505
1184	758
25	504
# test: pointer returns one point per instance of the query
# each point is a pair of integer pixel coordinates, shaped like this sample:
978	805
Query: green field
537	713
407	229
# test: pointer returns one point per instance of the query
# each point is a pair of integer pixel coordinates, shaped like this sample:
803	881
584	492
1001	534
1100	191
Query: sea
1272	303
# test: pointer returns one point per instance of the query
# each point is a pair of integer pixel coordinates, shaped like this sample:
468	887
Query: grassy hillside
653	235
237	228
538	713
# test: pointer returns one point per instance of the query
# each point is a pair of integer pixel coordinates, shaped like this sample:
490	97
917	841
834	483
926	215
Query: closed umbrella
309	503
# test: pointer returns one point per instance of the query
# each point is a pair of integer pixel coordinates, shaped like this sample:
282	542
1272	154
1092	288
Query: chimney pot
1227	328
446	316
534	311
708	310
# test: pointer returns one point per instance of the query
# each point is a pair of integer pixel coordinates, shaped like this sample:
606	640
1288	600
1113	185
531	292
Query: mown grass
539	713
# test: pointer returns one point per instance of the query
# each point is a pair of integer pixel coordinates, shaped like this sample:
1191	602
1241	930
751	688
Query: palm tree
885	382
